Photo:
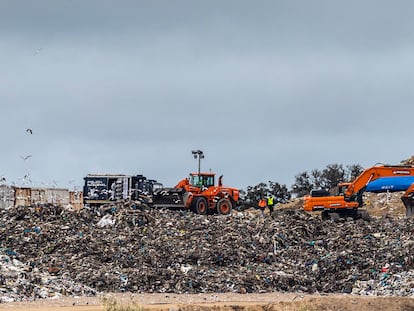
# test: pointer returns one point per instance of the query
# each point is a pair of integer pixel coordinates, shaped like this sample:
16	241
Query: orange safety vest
262	203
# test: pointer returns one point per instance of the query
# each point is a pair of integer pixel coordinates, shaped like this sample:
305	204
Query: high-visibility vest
262	203
270	201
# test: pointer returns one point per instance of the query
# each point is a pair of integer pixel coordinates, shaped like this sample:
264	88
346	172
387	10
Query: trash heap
54	252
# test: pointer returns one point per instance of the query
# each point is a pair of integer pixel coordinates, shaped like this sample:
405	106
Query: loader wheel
200	206
224	206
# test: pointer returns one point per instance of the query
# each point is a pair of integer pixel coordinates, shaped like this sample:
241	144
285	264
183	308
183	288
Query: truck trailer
100	189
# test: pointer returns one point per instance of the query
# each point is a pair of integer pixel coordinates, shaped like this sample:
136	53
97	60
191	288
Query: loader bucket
409	206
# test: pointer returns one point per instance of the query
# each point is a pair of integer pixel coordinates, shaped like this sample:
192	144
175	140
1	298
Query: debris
106	221
63	252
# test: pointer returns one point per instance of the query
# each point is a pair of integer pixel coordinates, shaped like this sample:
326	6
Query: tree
279	192
302	185
318	180
326	179
253	194
353	171
332	175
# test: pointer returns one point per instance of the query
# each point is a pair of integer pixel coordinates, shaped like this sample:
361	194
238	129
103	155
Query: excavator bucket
409	205
408	200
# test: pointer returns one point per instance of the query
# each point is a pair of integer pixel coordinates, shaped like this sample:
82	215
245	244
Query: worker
262	206
200	182
271	203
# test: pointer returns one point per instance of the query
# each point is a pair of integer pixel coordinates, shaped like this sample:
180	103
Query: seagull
29	130
3	179
26	179
38	51
26	157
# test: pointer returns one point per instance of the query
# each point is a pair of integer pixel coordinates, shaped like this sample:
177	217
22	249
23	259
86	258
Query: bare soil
222	302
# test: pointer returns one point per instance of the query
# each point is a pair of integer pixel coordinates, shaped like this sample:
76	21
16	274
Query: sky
266	89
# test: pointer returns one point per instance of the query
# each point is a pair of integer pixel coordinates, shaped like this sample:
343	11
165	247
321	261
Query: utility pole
198	154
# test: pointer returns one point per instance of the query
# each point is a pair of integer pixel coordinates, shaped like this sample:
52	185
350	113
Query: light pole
200	155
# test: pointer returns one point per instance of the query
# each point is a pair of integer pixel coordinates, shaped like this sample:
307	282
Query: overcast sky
267	89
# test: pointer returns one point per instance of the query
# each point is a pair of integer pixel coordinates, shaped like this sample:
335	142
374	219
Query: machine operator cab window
342	187
201	180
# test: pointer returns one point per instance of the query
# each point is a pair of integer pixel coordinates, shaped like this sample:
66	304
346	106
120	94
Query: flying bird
29	130
26	157
37	51
26	179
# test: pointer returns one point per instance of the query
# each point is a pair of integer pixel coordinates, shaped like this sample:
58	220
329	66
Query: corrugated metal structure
6	197
11	196
53	196
98	189
22	196
76	199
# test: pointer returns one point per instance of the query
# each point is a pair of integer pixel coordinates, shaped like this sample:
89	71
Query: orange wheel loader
198	193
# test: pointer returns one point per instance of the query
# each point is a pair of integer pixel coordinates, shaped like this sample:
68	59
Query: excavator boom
375	172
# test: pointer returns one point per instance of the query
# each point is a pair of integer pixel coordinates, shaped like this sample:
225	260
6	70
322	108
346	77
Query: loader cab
201	180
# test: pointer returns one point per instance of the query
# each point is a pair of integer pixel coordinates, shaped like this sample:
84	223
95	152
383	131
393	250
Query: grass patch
111	304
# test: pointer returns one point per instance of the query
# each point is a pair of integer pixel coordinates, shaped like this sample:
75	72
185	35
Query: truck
198	193
346	199
101	189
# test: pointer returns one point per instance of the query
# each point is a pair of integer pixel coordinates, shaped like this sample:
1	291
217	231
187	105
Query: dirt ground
221	302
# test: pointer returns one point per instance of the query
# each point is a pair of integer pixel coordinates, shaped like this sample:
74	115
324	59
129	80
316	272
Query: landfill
54	252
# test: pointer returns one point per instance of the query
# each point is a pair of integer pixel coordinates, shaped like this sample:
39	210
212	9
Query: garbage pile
388	203
55	252
409	161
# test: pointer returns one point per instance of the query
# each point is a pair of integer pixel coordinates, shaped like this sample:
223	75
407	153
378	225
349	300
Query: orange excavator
347	200
198	193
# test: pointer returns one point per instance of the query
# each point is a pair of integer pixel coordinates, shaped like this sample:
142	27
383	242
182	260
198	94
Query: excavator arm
373	173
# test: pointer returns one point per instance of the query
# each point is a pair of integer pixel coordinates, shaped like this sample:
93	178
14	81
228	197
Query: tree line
327	178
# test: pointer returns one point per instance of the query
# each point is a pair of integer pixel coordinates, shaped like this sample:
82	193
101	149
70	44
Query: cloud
265	89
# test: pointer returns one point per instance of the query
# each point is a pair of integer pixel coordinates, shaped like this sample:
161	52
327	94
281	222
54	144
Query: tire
201	206
224	206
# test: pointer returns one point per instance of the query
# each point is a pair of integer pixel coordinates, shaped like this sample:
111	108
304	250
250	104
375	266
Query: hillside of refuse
56	252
